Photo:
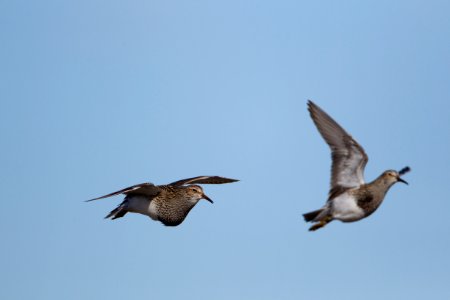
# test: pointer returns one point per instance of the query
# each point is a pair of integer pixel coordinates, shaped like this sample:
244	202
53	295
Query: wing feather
348	157
146	189
203	180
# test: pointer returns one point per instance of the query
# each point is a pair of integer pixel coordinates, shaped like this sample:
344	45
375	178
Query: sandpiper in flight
350	198
169	204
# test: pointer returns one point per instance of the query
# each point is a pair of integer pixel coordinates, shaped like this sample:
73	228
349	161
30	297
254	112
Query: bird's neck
380	185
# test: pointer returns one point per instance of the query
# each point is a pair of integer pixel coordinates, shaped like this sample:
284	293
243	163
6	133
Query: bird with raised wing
169	204
350	198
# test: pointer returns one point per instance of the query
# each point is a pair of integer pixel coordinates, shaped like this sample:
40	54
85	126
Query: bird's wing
146	189
203	180
348	157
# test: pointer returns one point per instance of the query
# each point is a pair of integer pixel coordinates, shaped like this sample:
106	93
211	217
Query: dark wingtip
313	109
404	170
226	180
93	199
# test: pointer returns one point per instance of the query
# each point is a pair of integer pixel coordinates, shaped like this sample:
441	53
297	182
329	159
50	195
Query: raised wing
146	189
204	180
348	157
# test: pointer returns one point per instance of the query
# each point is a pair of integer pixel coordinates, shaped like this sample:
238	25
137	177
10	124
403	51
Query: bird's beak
207	198
401	180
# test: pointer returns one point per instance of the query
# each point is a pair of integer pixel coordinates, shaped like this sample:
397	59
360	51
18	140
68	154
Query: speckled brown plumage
172	209
169	204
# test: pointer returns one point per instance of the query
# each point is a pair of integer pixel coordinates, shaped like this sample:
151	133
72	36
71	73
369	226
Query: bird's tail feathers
320	218
311	216
118	212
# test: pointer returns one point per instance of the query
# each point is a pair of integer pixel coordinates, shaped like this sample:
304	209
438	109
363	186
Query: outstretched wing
348	157
204	180
146	189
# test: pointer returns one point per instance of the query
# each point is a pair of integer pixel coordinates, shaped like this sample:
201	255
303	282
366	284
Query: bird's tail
118	212
309	217
320	218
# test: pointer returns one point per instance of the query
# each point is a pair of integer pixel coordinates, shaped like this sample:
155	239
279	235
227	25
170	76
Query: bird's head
392	176
195	193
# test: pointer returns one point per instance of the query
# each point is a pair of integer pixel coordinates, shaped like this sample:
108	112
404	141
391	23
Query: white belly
346	209
142	205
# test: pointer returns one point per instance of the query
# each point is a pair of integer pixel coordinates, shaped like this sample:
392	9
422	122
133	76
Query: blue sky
99	95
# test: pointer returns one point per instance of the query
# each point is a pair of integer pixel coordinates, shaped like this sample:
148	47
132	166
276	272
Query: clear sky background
99	95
